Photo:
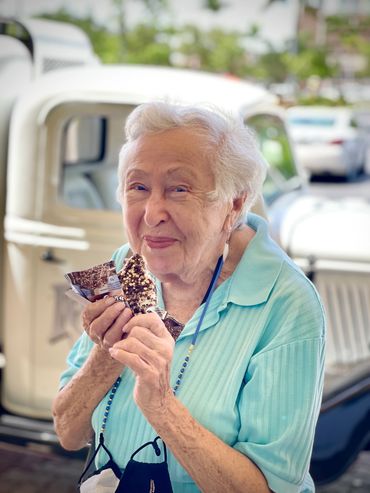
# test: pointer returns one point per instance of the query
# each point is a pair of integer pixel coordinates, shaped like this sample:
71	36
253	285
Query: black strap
110	463
155	445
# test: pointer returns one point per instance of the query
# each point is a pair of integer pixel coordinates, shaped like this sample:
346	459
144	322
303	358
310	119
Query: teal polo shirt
254	379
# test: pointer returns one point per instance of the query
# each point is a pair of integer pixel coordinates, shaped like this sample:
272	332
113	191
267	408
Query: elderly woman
236	397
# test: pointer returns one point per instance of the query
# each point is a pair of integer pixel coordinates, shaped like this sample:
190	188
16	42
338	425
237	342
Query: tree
214	50
153	7
214	5
147	44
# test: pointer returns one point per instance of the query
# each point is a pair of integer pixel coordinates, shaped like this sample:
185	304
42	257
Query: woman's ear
236	207
238	204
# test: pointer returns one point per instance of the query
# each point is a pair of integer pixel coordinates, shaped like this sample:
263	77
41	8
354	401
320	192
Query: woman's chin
160	267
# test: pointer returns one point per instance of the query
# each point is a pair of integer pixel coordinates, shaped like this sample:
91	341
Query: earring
225	253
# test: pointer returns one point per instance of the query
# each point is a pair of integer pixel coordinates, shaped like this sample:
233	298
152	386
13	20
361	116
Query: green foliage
214	5
271	67
337	23
320	101
144	45
218	50
214	50
310	62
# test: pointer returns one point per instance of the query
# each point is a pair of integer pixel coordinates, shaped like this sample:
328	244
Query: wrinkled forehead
180	150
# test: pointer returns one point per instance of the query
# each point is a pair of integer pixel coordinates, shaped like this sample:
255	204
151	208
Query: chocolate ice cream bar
137	285
133	284
140	292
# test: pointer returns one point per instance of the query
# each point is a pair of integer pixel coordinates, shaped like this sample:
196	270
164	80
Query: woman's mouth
159	241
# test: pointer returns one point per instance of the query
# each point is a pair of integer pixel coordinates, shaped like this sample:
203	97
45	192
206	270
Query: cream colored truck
61	117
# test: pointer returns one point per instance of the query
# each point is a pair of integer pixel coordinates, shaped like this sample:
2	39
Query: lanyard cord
212	286
209	293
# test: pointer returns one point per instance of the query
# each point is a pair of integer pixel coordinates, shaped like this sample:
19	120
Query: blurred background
314	56
306	51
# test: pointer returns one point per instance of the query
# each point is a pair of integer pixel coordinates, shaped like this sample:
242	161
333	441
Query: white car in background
327	140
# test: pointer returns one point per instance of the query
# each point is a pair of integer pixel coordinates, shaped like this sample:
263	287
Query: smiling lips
159	241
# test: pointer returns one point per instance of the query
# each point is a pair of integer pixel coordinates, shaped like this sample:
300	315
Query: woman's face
168	217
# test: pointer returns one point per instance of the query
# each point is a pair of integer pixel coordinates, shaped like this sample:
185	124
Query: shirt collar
260	265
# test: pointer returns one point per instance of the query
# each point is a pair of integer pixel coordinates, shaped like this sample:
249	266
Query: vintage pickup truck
61	126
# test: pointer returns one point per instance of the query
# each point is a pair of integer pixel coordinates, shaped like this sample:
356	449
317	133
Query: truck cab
63	129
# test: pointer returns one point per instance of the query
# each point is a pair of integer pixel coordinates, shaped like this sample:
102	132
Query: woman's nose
155	210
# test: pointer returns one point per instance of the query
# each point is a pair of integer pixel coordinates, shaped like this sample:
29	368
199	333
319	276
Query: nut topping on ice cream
140	293
137	285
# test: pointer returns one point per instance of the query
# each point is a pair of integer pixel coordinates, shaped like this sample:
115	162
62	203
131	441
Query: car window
275	146
312	121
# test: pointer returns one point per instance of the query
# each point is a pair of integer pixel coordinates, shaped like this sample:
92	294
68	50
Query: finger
94	310
134	346
150	340
114	333
131	360
150	321
101	324
152	348
138	356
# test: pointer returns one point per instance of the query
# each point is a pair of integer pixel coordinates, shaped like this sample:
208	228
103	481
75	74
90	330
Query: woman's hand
103	321
73	406
148	350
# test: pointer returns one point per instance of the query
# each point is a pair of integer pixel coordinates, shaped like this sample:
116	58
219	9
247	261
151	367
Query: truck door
74	222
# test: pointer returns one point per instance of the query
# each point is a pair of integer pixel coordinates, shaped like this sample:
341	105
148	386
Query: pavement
37	471
355	480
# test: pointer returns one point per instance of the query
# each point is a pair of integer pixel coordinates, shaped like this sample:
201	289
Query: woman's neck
181	299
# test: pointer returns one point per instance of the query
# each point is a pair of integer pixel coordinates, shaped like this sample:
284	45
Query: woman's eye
139	187
179	189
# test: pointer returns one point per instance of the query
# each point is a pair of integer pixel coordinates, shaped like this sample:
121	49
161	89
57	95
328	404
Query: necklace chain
109	403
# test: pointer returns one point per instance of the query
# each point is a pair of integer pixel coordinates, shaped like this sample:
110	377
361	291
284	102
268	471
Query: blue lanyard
212	286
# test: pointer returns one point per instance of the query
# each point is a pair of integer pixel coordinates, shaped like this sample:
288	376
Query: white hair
231	148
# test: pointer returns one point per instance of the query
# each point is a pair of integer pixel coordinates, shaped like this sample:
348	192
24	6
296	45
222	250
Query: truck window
275	146
84	140
88	164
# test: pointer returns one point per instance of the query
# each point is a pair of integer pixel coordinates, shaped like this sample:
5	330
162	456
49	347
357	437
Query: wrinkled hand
148	351
103	321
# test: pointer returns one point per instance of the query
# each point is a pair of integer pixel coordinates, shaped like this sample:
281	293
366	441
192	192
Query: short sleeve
279	407
76	358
